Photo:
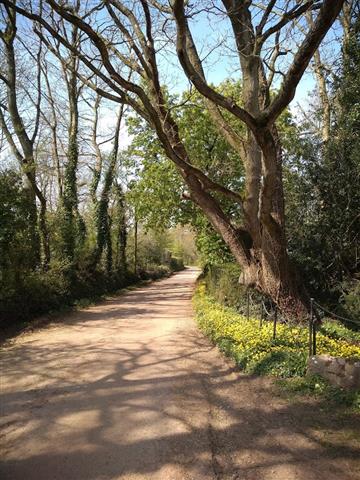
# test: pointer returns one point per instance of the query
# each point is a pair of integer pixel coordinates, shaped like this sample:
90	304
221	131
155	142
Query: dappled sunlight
114	393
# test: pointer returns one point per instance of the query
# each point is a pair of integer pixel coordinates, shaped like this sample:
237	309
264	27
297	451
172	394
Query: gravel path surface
129	389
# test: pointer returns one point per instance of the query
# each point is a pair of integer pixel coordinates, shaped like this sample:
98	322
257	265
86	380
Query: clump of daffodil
254	349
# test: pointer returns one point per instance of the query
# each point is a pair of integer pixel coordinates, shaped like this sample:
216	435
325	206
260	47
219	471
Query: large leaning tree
270	40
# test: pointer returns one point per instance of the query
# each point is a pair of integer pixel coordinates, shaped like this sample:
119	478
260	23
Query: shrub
176	264
35	293
222	282
351	299
338	331
153	272
254	349
38	292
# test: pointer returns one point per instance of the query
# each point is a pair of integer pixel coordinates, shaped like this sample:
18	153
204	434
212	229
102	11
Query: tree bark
72	228
102	218
121	233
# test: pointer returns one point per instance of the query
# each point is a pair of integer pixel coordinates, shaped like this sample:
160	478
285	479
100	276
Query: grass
316	386
338	331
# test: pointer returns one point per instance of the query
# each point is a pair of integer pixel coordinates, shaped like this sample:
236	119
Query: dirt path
129	389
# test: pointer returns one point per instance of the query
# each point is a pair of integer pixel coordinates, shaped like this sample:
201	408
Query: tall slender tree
24	146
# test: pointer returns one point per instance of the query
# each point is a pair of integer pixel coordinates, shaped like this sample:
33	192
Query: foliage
319	387
16	230
211	247
182	245
222	283
159	194
322	196
322	193
37	293
350	299
176	264
208	150
26	292
254	349
337	330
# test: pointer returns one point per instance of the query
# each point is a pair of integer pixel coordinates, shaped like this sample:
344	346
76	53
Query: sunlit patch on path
129	389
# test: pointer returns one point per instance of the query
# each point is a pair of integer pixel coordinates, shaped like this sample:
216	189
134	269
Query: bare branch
295	12
193	75
326	16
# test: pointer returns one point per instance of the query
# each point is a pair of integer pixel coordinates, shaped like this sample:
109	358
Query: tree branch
295	12
327	14
193	75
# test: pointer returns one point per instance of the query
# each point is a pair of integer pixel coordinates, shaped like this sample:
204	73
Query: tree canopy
227	157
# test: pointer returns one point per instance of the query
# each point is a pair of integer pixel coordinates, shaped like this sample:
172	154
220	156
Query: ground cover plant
256	352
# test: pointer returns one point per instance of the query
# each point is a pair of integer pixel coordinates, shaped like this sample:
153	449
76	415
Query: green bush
37	293
34	294
153	272
350	300
222	283
176	264
338	331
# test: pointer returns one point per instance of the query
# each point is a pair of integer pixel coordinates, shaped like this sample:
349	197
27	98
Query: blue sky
222	62
207	31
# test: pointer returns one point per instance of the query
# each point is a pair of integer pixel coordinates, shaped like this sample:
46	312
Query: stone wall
341	372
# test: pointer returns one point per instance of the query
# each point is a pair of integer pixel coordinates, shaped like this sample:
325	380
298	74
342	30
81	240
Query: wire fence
268	311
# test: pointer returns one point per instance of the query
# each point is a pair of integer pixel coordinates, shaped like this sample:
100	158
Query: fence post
275	321
248	305
311	329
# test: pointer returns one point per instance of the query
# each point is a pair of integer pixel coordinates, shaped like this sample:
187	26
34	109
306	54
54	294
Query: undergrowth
53	291
256	352
318	387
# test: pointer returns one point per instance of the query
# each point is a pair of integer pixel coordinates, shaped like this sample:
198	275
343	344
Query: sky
220	63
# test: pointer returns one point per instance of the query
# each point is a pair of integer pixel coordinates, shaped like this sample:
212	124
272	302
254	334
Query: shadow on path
129	389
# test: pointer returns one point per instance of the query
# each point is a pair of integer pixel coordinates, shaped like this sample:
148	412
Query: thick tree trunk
259	246
270	269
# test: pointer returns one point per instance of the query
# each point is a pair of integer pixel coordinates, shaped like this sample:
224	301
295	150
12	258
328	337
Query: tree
264	259
72	225
24	148
159	195
103	233
321	179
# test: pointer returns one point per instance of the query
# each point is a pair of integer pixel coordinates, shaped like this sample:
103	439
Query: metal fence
268	311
